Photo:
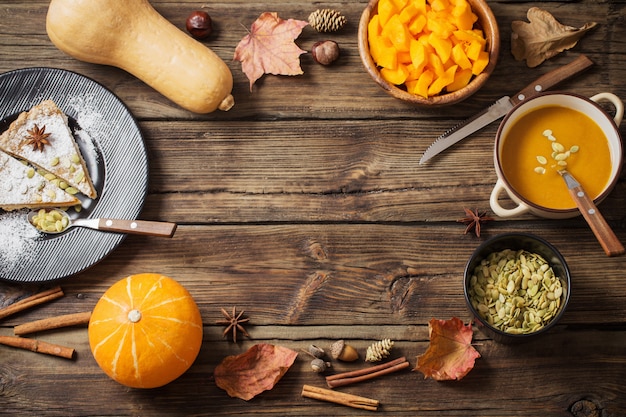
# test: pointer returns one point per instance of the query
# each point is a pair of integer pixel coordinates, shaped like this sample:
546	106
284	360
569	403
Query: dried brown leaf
544	37
254	371
450	354
269	48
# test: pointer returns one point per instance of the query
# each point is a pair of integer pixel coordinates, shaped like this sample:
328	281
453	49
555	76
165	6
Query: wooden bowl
486	22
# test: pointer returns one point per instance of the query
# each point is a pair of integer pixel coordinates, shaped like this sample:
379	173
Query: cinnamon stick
351	377
33	300
341	398
52	323
37	346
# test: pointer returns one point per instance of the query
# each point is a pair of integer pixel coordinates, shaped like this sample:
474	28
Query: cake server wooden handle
138	227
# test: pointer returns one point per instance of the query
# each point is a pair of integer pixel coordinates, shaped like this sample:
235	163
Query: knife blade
503	105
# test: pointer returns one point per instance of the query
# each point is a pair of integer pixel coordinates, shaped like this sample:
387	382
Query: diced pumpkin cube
423	39
378	45
419	57
395	76
435	64
386	9
404	58
408	13
442	81
417	25
373	27
465	21
398	33
414	73
420	5
461	79
460	7
388	58
439	24
423	82
481	63
469	36
460	57
443	47
439	5
400	4
473	49
383	52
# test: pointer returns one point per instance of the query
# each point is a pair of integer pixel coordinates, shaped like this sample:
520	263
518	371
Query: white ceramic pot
588	106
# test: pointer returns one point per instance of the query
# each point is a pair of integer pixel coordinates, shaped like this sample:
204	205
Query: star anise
38	138
233	322
473	220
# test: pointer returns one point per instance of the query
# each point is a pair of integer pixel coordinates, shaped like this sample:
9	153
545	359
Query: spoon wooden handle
138	227
610	243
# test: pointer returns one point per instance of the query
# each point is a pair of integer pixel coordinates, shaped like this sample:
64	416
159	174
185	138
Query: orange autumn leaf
269	48
450	354
254	371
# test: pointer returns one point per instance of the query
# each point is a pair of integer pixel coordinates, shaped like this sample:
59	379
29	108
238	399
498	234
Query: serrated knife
503	105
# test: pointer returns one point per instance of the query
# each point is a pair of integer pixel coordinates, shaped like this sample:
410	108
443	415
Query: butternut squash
133	36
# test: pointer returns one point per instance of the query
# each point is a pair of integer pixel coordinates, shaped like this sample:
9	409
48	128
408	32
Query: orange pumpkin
145	331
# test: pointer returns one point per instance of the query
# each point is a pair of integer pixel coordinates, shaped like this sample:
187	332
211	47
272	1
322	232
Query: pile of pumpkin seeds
516	291
50	221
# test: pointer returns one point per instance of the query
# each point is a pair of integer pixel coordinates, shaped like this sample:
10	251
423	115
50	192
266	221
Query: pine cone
378	350
326	20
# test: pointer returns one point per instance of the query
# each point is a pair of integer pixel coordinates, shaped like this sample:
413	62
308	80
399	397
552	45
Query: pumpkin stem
134	316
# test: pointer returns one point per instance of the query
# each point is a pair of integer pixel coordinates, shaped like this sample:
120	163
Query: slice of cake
43	138
22	187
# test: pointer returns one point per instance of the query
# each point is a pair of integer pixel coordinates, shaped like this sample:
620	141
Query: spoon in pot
609	242
57	221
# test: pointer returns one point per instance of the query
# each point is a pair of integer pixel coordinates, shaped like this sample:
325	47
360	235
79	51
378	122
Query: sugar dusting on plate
90	121
17	236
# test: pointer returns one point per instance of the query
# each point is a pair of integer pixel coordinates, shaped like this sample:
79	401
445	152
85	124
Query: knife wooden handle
609	242
553	78
138	227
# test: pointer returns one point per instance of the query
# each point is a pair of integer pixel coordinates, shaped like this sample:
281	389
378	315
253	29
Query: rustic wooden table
305	206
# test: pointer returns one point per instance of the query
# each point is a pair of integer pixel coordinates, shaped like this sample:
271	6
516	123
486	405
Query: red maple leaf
254	371
450	354
269	48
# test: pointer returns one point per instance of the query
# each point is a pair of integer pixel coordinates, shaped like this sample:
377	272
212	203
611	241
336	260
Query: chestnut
199	24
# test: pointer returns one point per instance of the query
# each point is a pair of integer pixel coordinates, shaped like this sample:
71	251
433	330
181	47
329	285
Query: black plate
115	155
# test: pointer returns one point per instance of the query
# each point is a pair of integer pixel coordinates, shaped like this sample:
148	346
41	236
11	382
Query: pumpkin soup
550	138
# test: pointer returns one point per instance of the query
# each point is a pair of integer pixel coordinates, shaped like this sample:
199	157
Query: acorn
316	352
318	365
344	352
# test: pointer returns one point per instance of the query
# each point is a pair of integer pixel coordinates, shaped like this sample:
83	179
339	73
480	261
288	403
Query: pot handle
498	209
619	106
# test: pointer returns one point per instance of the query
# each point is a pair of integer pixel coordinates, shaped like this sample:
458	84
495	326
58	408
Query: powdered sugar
91	122
17	238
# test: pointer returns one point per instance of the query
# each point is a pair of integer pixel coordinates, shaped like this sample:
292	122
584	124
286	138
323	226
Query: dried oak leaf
450	354
269	48
543	38
254	371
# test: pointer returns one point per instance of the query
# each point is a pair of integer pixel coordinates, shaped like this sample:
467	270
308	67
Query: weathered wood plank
390	274
545	377
324	92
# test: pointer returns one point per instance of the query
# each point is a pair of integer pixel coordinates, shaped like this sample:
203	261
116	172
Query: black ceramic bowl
515	242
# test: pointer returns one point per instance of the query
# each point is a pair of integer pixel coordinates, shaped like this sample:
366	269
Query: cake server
138	227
